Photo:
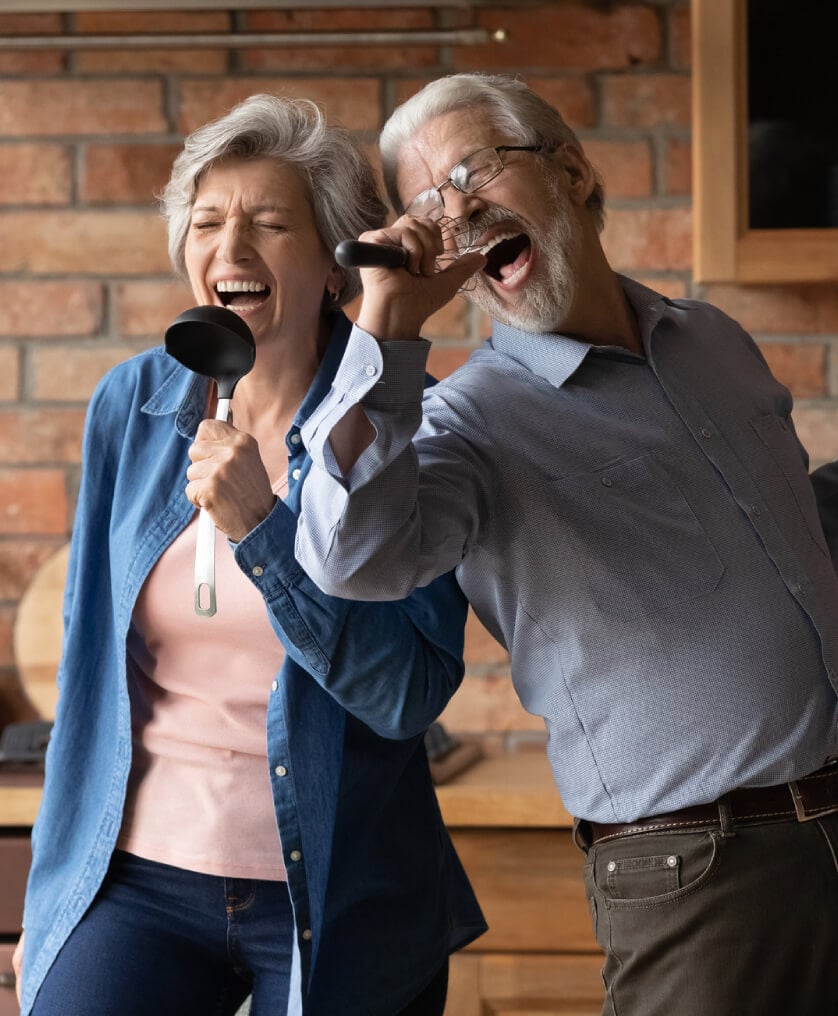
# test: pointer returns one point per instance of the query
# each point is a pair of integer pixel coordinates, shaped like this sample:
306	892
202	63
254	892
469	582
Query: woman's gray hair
510	107
341	182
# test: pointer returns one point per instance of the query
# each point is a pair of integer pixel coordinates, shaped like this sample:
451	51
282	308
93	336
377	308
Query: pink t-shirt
199	793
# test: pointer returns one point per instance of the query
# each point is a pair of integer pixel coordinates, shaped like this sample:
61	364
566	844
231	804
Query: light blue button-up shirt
641	533
379	895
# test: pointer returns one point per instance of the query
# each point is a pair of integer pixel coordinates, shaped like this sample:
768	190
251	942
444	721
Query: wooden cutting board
38	632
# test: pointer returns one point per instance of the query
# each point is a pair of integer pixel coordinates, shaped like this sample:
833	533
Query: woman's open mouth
240	294
508	256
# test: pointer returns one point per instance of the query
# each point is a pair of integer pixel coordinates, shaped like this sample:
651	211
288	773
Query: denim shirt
379	897
641	532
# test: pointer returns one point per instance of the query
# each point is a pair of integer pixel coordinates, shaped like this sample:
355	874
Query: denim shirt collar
185	393
557	357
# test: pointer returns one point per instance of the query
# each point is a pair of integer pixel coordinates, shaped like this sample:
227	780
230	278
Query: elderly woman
240	803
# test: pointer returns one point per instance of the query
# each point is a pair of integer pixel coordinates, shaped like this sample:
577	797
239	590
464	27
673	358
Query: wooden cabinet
515	841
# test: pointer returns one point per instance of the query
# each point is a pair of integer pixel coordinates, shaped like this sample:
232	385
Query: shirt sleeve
392	665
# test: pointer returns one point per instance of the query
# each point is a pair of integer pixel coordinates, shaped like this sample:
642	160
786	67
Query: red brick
488	704
625	166
817	429
31	24
99	242
646	100
678	167
62	108
33	501
9	372
355	102
62	373
35	436
151	61
319	58
19	561
675	288
449	322
573	97
779	309
569	36
482	648
35	175
357	19
444	360
148	308
150	22
681	35
126	174
19	63
801	368
34	309
649	239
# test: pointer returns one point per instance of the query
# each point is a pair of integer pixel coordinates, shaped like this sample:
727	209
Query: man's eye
200	226
276	227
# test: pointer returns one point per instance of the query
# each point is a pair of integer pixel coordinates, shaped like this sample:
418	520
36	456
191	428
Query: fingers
421	238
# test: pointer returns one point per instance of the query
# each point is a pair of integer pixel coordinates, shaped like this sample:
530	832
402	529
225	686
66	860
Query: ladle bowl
217	343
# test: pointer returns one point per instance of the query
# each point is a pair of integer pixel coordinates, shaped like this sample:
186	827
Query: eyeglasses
468	176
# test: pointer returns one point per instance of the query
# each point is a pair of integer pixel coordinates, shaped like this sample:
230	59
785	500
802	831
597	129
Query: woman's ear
335	282
580	173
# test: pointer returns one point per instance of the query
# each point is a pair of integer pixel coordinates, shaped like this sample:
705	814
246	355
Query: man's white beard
544	303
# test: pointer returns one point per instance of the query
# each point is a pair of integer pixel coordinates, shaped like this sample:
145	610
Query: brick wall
86	138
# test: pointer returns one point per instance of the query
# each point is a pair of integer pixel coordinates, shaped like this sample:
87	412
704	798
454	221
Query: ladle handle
205	550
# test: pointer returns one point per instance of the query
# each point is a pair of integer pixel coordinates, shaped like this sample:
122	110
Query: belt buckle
800	807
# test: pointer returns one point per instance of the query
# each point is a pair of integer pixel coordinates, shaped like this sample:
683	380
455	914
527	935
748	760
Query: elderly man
616	477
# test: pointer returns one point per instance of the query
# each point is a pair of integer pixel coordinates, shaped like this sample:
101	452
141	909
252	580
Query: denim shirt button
295	855
306	936
281	771
296	474
295	438
274	685
257	571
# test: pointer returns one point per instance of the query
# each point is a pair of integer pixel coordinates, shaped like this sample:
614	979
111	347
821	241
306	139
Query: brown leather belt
801	800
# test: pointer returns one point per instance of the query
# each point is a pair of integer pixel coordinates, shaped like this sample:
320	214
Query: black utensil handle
357	254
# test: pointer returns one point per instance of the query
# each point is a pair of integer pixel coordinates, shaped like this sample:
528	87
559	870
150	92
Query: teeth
498	239
239	286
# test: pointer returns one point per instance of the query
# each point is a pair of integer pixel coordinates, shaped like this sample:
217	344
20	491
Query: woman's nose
234	245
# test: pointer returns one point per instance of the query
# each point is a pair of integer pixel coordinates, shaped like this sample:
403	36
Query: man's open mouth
507	254
240	293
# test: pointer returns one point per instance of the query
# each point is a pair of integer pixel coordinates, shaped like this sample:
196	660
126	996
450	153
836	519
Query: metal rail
242	40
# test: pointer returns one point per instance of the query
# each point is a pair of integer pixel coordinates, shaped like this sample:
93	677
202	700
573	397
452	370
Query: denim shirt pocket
779	438
642	547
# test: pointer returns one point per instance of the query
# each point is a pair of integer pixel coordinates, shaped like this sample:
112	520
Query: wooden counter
514	838
511	790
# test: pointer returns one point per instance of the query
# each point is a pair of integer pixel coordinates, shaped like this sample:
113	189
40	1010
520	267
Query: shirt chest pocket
640	544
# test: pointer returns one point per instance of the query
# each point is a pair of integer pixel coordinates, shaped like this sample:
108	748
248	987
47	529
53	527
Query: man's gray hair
509	106
341	182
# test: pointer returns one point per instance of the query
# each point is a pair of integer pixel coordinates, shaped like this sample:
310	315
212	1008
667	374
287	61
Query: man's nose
463	206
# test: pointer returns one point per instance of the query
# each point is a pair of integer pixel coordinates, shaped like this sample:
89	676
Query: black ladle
215	342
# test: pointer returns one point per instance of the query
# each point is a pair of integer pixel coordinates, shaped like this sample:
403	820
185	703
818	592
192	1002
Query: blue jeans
164	941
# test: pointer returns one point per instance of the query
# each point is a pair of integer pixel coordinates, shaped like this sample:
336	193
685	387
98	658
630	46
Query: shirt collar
185	393
556	357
